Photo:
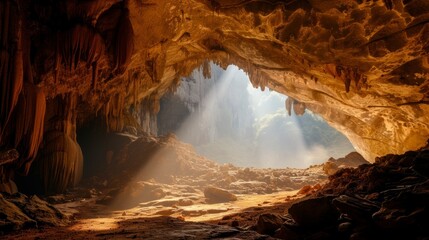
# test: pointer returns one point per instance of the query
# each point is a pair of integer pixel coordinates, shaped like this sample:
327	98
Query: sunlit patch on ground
95	224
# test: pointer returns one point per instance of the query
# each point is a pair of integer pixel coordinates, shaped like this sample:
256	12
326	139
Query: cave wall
361	65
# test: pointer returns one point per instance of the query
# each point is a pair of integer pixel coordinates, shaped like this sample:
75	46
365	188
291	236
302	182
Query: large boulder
41	211
314	212
268	223
12	218
356	208
19	211
217	195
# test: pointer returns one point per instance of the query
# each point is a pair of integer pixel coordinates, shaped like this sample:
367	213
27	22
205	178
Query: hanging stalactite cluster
124	42
23	104
29	123
347	75
11	62
104	43
80	43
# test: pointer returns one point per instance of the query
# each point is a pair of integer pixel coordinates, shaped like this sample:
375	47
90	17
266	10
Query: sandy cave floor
157	220
176	194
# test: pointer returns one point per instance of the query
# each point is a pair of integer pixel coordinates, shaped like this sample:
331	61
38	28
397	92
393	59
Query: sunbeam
230	121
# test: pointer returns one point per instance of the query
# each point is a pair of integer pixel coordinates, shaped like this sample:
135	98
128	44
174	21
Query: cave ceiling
361	65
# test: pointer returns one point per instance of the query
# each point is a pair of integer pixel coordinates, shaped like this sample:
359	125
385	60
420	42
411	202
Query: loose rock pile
156	164
19	211
385	200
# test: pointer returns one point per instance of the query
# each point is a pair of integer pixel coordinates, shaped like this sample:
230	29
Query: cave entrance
227	120
223	146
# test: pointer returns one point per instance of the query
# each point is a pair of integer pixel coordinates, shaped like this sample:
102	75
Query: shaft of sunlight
205	115
279	137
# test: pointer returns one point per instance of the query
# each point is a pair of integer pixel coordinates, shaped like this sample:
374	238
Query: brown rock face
361	65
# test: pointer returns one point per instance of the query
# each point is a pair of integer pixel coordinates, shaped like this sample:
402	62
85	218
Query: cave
89	103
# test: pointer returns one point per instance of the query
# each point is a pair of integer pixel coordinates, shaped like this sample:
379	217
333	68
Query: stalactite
288	104
347	75
94	75
30	117
263	83
113	112
206	70
124	42
23	104
347	82
298	107
254	77
11	61
80	43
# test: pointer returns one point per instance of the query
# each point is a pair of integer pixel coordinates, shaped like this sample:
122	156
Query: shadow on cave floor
133	223
163	183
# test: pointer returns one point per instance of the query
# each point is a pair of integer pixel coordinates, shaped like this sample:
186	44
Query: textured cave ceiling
361	65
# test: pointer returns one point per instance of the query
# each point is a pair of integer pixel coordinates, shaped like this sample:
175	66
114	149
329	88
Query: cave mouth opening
258	146
227	120
220	141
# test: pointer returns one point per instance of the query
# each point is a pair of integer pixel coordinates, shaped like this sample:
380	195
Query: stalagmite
61	161
7	158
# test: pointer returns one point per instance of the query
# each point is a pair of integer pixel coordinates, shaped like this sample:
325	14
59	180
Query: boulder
358	209
407	211
285	232
40	211
330	168
137	192
12	218
268	223
218	195
314	212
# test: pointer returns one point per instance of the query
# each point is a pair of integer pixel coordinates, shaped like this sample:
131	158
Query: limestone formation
361	65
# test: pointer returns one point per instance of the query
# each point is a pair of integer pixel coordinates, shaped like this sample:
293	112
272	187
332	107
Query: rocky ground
385	200
173	193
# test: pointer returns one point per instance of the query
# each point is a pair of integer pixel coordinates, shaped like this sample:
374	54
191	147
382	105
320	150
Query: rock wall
361	65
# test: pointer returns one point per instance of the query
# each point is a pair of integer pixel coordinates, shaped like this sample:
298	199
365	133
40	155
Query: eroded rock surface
385	199
361	65
19	211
